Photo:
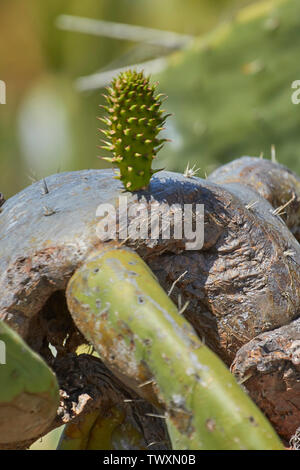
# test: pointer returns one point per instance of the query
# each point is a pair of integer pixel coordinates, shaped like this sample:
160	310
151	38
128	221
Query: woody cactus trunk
155	381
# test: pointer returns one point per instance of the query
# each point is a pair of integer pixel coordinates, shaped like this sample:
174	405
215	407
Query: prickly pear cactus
150	355
141	333
133	123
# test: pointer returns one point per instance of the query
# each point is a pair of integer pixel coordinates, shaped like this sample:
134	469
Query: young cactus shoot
134	120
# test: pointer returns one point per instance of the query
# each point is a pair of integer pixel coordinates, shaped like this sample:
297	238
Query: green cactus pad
117	303
133	122
29	394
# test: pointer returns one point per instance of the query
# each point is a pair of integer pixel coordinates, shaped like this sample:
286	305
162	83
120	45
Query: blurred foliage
231	92
46	124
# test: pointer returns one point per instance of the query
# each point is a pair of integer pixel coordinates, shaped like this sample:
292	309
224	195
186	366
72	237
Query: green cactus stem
133	122
29	394
117	303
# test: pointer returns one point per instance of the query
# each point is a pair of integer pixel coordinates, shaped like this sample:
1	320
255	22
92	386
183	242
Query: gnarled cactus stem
119	306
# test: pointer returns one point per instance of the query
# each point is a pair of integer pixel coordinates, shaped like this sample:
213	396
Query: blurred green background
229	90
47	125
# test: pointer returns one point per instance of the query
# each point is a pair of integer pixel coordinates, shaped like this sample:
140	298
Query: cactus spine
133	122
146	341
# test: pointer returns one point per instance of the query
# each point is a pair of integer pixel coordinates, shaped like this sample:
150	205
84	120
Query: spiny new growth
133	123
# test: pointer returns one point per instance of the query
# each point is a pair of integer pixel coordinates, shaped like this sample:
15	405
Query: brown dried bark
269	367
